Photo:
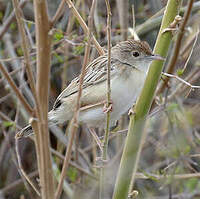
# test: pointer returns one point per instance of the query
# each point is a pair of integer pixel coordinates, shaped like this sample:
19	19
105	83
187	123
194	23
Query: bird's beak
157	57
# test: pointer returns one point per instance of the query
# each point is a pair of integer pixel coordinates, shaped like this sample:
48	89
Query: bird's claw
173	27
131	112
108	108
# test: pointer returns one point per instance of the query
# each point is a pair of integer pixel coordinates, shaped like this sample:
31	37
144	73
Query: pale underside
126	84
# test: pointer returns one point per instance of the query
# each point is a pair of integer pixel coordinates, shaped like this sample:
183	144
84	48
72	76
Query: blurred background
170	161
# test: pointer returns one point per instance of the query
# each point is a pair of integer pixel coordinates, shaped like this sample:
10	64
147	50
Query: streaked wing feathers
95	73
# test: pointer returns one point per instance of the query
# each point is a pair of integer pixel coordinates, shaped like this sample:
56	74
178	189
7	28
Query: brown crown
131	45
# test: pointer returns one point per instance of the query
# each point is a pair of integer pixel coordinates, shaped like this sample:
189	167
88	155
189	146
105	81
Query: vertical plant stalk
176	50
74	123
131	153
25	45
122	7
106	136
43	44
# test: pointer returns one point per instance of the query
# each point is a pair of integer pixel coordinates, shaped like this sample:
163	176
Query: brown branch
84	26
59	13
16	90
43	45
25	46
74	123
172	62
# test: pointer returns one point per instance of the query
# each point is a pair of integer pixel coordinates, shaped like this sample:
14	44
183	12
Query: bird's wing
96	72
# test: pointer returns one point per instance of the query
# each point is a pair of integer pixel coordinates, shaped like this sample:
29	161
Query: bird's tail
25	132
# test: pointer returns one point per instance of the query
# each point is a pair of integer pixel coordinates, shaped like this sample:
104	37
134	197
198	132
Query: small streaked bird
130	61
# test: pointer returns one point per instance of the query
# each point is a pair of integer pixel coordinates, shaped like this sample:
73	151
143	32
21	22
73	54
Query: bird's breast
125	88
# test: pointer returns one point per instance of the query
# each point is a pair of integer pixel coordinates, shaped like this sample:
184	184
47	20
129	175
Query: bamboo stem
134	140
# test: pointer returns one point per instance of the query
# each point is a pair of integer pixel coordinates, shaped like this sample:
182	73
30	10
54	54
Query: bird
130	61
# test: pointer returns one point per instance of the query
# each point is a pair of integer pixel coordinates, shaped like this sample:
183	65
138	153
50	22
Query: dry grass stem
58	14
25	46
132	30
181	80
16	90
107	127
27	177
74	122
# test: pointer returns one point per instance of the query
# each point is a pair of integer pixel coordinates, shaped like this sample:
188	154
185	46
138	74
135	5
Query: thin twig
17	64
172	63
160	177
180	88
82	170
6	118
16	90
133	30
22	170
59	13
9	20
181	80
13	156
96	139
106	136
84	26
122	7
74	122
105	145
25	47
191	51
16	183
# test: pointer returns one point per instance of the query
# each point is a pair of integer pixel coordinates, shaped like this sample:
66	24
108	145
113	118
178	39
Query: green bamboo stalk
131	151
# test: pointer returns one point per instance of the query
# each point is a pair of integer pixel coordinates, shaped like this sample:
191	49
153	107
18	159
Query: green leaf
180	72
8	124
172	107
13	26
58	36
78	50
1	16
20	51
72	174
192	183
59	58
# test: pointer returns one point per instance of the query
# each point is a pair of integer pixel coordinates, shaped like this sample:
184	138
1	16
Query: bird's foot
107	107
131	112
173	27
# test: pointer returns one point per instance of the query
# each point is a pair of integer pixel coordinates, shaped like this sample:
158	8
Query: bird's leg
96	138
107	108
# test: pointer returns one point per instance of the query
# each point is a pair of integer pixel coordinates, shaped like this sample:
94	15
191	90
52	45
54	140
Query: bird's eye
135	53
